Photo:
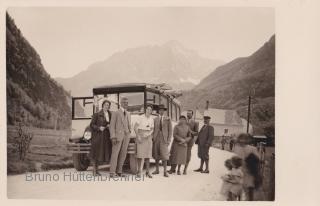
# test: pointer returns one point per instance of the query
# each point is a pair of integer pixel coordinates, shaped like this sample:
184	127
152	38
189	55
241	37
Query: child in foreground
233	179
252	178
226	185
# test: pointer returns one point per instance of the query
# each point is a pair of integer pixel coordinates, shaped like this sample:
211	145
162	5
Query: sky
69	39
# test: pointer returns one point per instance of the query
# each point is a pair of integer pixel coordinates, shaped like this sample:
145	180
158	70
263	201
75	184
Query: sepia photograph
141	103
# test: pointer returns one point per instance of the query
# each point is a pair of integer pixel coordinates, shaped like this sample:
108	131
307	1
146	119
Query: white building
223	121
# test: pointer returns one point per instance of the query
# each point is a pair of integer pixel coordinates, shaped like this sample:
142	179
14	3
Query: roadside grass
46	152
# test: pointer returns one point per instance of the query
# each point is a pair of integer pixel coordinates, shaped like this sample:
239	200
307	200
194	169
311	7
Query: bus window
164	101
82	108
135	101
113	98
174	112
153	98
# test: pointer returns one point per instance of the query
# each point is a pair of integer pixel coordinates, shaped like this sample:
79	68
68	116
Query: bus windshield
135	101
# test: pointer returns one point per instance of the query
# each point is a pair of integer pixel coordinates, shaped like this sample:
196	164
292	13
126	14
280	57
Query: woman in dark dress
181	136
100	141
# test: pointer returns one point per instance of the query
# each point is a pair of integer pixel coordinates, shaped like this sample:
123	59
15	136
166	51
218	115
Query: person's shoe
138	175
121	175
113	175
165	175
156	172
171	172
178	173
184	172
198	170
148	175
205	171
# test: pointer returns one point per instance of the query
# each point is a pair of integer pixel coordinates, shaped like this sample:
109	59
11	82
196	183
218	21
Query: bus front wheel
81	161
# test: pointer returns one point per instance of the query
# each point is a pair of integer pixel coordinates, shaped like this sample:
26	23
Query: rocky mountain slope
170	63
229	86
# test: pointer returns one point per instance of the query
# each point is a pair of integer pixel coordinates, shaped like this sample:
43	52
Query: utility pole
248	120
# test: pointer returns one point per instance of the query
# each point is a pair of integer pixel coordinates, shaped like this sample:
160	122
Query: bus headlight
87	135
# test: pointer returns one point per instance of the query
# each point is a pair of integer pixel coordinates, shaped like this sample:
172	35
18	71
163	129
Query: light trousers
118	155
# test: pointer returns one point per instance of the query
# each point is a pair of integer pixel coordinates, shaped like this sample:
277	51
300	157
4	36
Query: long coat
204	141
100	141
162	138
178	150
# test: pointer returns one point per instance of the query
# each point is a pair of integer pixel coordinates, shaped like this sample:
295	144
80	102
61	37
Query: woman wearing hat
144	131
100	142
181	137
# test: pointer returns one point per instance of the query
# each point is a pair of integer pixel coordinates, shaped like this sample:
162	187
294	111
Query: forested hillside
33	97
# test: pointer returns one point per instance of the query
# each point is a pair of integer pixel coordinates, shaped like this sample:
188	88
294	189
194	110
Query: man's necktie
160	123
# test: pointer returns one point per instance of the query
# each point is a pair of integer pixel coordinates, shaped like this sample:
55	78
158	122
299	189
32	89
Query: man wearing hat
161	139
204	141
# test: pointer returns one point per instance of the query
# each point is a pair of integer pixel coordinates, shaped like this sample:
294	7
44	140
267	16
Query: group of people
111	132
227	140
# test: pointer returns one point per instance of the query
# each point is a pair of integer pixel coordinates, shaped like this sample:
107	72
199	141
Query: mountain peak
170	62
173	44
177	47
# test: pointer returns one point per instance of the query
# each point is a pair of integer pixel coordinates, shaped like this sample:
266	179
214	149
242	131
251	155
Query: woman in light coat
144	131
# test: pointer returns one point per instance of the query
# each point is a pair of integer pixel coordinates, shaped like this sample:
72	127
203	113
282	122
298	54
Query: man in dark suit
194	127
204	141
162	136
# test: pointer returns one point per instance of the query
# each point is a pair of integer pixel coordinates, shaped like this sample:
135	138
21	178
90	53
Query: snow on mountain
169	63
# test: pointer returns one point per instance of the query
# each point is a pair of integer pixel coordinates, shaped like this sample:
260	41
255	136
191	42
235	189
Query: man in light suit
161	139
204	141
120	129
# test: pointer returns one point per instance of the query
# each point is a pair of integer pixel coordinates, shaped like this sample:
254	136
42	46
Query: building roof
220	116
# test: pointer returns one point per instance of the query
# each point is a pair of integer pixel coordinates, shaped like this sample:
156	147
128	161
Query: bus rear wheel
81	161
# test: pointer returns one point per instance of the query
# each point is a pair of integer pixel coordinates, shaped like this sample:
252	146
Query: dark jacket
100	141
194	127
98	120
205	136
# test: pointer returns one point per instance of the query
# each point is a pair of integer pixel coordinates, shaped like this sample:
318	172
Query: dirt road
69	184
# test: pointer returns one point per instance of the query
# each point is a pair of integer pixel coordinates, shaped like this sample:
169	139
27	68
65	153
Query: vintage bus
138	94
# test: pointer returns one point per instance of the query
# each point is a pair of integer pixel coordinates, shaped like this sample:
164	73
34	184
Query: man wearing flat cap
204	141
161	139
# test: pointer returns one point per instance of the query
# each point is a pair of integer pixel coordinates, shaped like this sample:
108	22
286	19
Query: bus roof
135	87
123	87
